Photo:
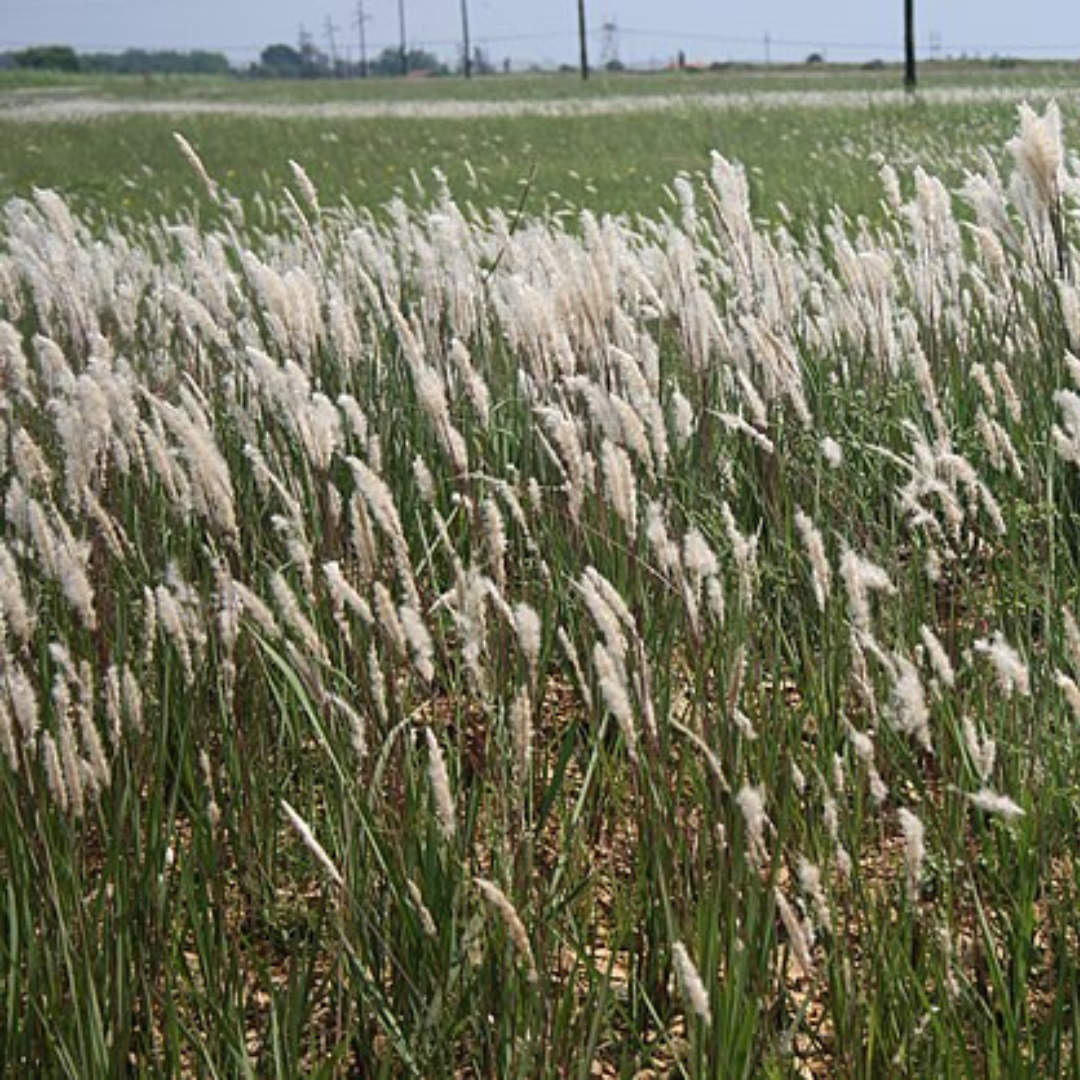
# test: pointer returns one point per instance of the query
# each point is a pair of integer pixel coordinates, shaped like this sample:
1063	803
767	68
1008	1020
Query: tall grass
447	641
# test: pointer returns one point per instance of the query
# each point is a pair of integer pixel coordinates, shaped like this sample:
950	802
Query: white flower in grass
54	771
691	984
909	702
1011	671
914	850
698	558
619	484
1071	691
611	677
991	802
821	573
440	787
939	658
982	749
810	882
799	937
861	577
751	801
421	646
832	452
515	928
308	838
521	728
307	188
1038	150
529	631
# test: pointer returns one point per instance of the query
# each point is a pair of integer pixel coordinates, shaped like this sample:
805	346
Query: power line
840	46
668	35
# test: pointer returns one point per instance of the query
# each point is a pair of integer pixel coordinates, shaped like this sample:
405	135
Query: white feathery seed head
440	787
914	850
515	928
1009	667
307	837
862	577
991	802
529	630
939	658
912	714
751	801
798	933
832	452
521	728
813	542
690	983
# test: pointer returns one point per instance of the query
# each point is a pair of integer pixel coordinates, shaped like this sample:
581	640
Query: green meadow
805	157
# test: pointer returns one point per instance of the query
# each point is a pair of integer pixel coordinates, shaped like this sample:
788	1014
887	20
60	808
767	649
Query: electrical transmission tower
331	40
609	43
309	55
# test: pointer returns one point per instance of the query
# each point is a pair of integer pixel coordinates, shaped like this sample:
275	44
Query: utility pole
768	48
467	51
404	46
909	46
582	34
331	40
360	20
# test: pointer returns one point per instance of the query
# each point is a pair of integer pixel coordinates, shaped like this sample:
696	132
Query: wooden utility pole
909	46
582	34
465	38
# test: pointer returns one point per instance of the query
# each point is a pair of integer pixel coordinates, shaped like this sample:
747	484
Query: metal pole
361	18
584	39
909	46
465	37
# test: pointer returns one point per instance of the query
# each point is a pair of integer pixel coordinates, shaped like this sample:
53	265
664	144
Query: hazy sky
545	31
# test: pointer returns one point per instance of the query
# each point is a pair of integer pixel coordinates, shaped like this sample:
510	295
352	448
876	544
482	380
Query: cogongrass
452	642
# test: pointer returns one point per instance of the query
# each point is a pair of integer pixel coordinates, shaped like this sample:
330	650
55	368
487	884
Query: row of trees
128	62
275	61
307	62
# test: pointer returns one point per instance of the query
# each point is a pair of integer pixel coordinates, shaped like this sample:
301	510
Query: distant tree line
167	62
276	61
128	62
307	62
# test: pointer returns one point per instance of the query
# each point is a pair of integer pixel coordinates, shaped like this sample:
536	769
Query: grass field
808	156
609	611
